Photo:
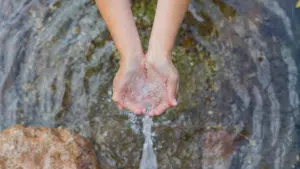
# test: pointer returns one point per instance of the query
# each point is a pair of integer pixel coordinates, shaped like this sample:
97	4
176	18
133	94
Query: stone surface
44	148
217	149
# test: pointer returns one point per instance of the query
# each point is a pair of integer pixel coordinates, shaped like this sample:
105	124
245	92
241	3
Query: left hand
162	73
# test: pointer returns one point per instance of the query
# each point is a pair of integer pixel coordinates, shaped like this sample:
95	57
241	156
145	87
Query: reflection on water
239	81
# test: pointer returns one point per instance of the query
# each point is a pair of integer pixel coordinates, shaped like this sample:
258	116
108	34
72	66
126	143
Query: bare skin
144	79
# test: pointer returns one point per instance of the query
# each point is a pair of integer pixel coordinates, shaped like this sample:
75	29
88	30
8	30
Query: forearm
119	20
168	17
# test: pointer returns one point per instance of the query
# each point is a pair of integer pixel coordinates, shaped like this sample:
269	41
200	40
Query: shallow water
239	69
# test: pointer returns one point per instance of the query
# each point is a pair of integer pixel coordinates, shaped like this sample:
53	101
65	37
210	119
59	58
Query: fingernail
174	102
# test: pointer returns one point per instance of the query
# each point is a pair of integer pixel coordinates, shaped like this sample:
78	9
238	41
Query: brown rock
218	148
218	143
44	148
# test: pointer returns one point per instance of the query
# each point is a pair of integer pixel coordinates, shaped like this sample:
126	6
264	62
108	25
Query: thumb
172	84
118	89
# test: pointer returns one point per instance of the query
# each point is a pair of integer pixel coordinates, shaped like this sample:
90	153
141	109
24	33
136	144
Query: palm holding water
145	85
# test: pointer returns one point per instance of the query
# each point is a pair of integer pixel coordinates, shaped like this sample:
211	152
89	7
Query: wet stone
217	149
76	30
39	147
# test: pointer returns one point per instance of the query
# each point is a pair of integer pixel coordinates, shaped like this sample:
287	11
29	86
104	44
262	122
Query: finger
119	86
177	86
172	83
159	109
118	92
120	107
133	107
117	98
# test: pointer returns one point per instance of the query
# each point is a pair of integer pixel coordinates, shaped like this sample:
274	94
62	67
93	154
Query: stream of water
148	160
238	62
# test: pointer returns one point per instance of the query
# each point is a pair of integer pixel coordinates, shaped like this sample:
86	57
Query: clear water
148	160
239	72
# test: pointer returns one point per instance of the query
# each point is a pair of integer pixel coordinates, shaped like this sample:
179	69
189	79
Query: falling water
148	157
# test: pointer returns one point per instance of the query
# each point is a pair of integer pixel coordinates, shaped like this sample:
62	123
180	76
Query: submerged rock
39	147
218	149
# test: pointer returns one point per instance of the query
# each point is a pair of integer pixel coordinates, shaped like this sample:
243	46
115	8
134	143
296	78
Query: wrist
161	45
132	60
155	55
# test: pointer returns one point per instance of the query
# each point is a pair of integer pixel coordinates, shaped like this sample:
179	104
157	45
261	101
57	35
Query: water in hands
146	87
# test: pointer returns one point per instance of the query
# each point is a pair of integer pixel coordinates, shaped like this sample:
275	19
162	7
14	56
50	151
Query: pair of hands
149	81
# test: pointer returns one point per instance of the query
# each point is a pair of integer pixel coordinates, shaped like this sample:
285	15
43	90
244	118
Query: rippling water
238	63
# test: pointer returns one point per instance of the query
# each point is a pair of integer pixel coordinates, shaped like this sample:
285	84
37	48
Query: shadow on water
239	89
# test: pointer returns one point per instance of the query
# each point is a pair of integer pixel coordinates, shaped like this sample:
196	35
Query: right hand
127	84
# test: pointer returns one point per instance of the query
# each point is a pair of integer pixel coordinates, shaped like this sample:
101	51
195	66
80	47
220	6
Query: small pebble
249	159
252	142
210	112
96	148
26	100
48	44
26	87
76	30
105	133
260	58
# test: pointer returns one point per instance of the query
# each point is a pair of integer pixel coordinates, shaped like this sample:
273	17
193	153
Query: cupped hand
161	70
127	84
145	82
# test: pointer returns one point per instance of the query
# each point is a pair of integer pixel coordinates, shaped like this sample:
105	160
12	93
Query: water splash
148	158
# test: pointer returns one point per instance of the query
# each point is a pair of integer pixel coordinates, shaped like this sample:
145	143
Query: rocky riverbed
239	69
